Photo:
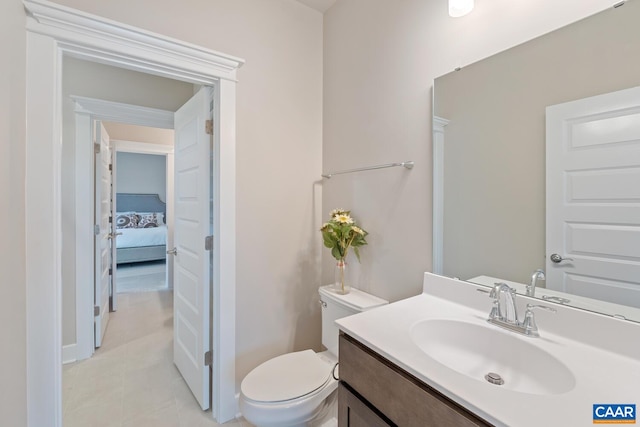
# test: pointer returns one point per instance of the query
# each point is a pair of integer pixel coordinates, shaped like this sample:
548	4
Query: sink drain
494	378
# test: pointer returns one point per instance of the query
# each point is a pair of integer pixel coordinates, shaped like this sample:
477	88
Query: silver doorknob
557	258
113	235
173	251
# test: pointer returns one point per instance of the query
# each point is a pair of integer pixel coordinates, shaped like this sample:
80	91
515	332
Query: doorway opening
53	32
141	183
98	129
134	218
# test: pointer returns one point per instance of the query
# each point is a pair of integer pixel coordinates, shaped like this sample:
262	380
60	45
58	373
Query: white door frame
439	125
53	31
87	110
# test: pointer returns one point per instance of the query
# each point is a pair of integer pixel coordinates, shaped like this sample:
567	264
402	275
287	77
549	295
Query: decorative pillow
147	219
127	220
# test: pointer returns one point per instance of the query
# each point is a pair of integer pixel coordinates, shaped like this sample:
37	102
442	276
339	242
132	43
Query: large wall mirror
505	129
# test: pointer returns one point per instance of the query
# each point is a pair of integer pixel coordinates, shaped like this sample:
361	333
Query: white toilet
298	389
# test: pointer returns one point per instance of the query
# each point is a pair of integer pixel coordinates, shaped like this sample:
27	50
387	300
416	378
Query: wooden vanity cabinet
374	392
355	412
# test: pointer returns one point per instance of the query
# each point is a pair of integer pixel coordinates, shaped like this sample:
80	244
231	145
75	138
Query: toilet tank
336	306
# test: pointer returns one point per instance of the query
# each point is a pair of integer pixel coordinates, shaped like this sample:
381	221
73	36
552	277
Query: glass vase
340	284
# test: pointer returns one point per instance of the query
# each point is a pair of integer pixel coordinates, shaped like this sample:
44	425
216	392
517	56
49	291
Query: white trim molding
84	235
102	40
141	147
124	113
69	354
224	297
439	125
52	32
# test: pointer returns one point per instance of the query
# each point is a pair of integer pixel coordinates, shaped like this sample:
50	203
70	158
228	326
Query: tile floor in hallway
131	379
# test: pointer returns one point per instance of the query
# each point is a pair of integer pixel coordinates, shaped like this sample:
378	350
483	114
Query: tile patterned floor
131	379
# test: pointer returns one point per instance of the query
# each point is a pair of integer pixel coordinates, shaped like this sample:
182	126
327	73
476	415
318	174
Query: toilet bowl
289	390
299	388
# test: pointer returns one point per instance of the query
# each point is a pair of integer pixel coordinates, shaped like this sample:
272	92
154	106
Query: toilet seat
287	377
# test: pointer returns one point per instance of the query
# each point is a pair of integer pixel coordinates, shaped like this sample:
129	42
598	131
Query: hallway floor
141	277
131	379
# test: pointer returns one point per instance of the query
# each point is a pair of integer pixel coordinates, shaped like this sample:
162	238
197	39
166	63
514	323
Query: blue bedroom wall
141	173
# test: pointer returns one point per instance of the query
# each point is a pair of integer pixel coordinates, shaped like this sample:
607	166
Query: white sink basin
477	350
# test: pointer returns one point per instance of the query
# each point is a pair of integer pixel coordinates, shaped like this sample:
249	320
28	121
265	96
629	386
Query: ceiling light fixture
459	8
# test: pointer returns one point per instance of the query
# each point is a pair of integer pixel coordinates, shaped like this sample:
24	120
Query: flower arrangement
339	234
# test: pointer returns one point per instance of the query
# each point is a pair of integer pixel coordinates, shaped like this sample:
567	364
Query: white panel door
103	260
192	224
593	197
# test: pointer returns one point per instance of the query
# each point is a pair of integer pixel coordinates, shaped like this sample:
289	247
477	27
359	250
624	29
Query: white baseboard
69	354
238	413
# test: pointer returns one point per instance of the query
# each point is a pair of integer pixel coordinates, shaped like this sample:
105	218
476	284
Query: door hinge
96	229
110	167
208	127
208	243
110	219
96	148
208	358
110	271
96	311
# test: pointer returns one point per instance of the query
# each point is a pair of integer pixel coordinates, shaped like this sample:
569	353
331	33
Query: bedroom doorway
141	180
143	139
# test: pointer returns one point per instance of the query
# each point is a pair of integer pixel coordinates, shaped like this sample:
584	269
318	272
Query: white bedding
137	237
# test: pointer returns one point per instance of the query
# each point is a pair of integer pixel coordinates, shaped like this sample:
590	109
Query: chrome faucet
531	288
504	312
529	322
504	300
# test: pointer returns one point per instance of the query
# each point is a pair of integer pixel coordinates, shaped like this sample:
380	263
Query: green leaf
359	240
335	252
329	240
357	252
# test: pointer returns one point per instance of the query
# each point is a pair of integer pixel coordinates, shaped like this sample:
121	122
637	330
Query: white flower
343	219
337	212
358	230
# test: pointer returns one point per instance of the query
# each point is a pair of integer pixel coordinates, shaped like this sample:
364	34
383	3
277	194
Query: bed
142	241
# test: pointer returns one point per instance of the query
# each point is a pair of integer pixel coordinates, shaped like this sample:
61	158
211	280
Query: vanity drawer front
353	412
402	398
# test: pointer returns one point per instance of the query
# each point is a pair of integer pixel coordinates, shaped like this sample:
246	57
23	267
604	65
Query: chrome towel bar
406	165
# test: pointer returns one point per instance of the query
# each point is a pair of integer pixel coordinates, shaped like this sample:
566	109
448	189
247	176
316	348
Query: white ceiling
319	5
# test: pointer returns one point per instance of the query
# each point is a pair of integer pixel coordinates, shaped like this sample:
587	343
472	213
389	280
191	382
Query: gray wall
141	173
494	195
13	351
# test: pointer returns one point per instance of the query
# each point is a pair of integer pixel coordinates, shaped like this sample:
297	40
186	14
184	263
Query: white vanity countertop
605	358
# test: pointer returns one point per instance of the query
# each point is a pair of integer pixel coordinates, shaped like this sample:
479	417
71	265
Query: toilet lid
286	377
